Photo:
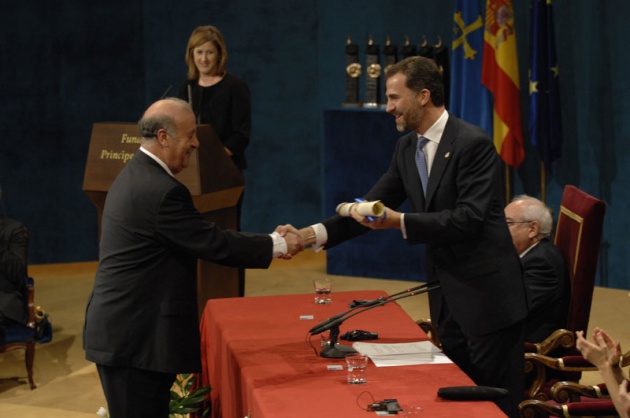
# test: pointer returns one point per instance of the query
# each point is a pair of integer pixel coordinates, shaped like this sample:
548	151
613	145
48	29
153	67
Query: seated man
546	277
13	250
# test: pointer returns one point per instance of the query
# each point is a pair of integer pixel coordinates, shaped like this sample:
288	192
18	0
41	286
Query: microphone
190	100
363	302
335	350
166	92
369	304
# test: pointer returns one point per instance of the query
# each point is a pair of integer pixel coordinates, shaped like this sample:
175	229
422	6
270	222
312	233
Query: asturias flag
469	99
500	75
545	127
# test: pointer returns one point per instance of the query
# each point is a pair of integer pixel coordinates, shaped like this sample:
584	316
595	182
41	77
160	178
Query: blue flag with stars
545	125
469	99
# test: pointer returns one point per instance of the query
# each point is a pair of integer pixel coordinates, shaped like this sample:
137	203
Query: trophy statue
373	69
353	71
409	49
390	56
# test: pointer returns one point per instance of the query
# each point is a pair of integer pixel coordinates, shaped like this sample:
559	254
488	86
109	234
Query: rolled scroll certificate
375	208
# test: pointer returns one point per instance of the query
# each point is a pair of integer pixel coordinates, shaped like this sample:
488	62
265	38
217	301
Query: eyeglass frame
518	222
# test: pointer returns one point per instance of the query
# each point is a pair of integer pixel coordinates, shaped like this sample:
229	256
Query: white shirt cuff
279	245
321	236
402	226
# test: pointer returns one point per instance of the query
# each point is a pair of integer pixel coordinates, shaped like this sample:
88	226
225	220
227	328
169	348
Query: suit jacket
142	312
549	288
13	254
226	106
469	248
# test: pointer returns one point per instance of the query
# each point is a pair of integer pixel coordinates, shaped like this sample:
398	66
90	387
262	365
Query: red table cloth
256	358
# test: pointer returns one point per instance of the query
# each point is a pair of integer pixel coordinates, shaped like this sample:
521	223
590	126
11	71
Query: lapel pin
448	154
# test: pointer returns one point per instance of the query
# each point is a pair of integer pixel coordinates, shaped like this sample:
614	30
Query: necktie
421	163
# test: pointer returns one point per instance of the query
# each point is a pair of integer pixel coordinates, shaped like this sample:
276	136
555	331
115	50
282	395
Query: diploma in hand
371	210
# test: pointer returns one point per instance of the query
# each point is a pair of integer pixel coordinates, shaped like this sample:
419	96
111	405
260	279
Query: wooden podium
212	178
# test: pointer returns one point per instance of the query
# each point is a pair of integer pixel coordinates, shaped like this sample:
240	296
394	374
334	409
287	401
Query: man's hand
295	242
388	220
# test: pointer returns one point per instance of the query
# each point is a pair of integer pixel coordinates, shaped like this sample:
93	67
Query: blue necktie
421	163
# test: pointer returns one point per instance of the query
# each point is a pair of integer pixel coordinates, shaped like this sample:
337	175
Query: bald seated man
546	277
141	326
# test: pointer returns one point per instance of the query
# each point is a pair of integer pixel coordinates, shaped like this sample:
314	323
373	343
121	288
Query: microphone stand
334	350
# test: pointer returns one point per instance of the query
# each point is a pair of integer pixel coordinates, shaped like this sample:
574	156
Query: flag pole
543	186
507	184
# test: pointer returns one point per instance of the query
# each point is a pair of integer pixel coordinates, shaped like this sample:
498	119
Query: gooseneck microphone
358	303
369	304
335	350
166	92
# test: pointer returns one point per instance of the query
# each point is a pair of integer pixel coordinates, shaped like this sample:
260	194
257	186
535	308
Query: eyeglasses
517	222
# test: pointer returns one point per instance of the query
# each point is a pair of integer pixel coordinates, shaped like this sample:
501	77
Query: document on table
402	354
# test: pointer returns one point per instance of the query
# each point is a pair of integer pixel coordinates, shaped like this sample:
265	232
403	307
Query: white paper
402	354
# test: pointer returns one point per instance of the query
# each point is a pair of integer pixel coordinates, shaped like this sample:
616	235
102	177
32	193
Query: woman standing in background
219	99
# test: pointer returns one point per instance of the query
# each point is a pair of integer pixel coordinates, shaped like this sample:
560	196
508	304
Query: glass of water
323	289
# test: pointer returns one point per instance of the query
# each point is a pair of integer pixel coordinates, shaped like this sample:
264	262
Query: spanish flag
500	76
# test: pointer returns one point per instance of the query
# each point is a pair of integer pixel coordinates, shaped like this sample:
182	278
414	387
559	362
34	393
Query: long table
256	357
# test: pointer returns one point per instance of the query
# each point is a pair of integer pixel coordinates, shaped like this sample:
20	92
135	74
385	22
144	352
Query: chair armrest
431	330
539	409
567	363
559	338
541	366
572	392
564	364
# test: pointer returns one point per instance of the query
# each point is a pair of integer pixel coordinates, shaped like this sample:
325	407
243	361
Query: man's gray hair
536	210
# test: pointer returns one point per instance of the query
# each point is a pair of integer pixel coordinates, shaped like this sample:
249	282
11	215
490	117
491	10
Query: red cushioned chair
539	409
571	399
578	237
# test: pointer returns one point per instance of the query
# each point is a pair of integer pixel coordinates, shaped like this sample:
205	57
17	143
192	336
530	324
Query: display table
358	147
256	358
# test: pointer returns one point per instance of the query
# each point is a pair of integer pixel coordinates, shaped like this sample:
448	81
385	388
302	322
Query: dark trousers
136	393
495	360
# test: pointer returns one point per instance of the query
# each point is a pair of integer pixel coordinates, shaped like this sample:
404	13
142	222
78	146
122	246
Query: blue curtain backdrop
69	64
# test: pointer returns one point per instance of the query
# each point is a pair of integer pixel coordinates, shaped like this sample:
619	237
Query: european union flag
469	99
545	125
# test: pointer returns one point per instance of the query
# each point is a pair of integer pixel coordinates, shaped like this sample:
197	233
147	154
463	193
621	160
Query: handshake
373	215
297	240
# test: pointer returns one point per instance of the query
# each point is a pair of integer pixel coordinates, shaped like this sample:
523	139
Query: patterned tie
421	163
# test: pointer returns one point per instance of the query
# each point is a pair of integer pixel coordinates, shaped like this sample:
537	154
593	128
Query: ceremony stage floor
68	385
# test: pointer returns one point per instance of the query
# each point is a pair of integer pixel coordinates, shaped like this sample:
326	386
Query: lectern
212	178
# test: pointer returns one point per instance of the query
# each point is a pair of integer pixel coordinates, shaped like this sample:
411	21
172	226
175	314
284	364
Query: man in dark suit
13	250
141	326
481	303
546	276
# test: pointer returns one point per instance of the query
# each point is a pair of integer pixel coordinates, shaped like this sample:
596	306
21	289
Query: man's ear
423	97
162	137
534	230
